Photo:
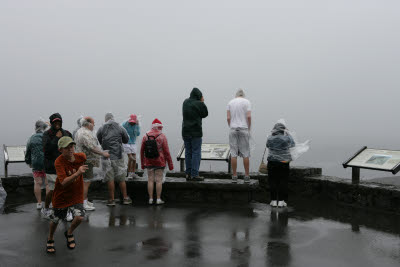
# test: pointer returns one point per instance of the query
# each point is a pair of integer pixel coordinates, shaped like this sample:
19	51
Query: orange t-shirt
65	196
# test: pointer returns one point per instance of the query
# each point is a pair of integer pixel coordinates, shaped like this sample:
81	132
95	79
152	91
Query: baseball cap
65	141
132	118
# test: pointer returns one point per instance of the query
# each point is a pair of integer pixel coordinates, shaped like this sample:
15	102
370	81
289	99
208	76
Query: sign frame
7	157
393	170
356	168
181	159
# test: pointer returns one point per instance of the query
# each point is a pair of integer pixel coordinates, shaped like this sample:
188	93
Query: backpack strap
154	137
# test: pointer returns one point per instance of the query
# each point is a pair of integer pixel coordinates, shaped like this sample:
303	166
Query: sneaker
86	206
273	203
39	206
247	179
234	179
90	203
46	213
198	178
69	217
111	203
151	201
160	202
188	177
282	204
127	201
134	175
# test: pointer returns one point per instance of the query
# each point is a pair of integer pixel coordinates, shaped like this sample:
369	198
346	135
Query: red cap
132	118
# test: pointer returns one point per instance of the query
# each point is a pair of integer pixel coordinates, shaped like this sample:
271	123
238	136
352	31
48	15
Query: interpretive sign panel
376	159
210	152
15	153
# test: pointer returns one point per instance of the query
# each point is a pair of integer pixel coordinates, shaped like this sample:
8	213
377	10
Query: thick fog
329	68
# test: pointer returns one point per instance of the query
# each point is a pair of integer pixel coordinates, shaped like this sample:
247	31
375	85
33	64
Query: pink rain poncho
162	145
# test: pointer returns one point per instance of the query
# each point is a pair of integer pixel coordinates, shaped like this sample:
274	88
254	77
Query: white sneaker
151	201
39	206
90	203
273	203
134	175
160	202
86	206
69	217
234	179
282	204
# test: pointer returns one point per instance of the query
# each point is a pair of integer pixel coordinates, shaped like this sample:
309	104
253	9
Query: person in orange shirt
68	191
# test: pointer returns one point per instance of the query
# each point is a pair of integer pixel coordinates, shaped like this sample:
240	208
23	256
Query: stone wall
306	183
365	194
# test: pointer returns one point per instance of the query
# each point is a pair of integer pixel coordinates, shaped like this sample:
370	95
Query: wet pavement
306	234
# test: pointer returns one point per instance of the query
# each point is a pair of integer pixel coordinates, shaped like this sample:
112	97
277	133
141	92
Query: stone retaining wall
303	183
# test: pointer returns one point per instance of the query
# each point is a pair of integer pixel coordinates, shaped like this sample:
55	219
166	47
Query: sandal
48	247
69	243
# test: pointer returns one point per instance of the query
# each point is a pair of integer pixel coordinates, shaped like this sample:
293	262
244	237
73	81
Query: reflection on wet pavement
195	235
278	248
156	247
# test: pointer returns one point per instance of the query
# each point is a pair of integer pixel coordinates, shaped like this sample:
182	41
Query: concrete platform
201	235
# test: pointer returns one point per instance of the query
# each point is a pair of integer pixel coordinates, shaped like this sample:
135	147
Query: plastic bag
263	167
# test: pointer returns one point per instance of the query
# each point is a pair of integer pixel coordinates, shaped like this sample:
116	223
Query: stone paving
305	234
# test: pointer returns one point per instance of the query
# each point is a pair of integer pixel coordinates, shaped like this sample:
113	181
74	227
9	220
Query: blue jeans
192	155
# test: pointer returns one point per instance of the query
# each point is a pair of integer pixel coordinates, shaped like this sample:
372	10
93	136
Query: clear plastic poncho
86	140
146	175
282	144
105	164
99	173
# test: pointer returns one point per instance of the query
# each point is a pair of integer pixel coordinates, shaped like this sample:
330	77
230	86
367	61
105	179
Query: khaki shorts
51	180
239	142
117	171
88	175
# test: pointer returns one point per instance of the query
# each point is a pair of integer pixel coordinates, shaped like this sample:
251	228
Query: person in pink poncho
154	156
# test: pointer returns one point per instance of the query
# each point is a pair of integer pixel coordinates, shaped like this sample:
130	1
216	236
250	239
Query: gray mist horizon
329	68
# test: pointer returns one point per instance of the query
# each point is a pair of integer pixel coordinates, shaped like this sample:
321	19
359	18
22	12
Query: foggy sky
329	68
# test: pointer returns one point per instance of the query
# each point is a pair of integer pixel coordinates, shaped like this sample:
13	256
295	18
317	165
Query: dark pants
278	179
192	155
